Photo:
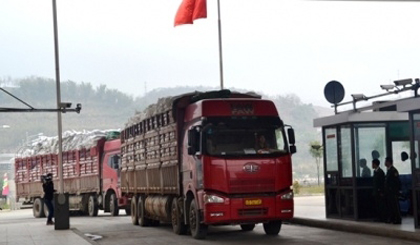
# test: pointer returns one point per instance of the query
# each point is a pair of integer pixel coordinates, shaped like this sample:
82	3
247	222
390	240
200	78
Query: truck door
111	170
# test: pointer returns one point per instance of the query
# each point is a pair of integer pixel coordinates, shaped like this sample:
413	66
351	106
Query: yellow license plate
253	202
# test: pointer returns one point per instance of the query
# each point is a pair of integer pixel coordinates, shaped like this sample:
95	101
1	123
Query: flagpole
220	45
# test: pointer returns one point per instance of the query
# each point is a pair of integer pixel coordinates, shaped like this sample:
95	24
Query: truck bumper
256	209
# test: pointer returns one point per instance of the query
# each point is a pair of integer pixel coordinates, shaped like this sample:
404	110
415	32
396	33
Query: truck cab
111	199
212	158
237	163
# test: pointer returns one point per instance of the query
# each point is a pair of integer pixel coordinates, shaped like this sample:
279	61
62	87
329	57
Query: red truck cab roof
230	108
112	145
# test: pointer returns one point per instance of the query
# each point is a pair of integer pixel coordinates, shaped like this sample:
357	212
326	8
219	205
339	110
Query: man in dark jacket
378	190
392	190
48	187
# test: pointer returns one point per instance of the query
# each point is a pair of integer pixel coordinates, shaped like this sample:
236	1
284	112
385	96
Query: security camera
359	97
403	82
65	104
387	87
78	107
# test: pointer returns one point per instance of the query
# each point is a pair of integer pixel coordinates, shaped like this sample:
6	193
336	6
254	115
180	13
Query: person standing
48	187
392	190
365	169
378	190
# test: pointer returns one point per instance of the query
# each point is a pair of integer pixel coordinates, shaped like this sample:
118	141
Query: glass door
415	164
370	143
400	150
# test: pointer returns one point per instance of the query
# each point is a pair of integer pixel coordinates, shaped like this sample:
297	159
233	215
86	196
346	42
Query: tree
316	151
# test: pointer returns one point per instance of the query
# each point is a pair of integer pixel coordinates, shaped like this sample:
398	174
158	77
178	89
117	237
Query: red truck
91	177
214	158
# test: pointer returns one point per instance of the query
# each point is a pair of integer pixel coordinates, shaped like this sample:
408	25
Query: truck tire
272	228
143	221
198	230
134	211
38	208
85	205
248	227
178	225
93	206
113	205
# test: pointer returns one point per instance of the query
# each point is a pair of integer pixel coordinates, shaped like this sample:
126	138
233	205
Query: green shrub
296	187
4	206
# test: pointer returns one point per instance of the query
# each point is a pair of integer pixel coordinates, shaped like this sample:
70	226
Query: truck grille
252	185
253	212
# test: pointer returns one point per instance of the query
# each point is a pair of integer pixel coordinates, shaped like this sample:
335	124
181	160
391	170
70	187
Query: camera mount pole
62	218
57	79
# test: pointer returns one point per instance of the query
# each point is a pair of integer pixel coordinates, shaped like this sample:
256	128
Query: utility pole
62	220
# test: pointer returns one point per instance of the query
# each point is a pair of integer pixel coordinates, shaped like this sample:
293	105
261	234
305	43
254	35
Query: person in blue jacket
48	187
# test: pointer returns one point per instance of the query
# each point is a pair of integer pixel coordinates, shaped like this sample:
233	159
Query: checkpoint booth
352	139
412	106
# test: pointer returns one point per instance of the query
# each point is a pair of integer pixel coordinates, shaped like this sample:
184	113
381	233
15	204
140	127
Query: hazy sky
273	46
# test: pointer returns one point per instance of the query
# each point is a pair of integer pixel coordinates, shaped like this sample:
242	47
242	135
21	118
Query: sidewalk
17	231
310	211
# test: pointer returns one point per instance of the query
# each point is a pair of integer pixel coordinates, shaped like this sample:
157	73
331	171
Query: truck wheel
93	206
113	205
272	227
143	221
178	225
85	205
134	211
248	227
38	208
198	230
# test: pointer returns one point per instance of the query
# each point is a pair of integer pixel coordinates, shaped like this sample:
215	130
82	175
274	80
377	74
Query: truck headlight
287	196
213	199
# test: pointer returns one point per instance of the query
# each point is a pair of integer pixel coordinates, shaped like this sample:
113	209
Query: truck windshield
244	136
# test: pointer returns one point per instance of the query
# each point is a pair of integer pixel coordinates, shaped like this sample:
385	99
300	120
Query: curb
358	228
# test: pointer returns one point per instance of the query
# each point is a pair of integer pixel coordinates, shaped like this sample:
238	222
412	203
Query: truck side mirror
193	141
191	137
293	149
191	150
291	136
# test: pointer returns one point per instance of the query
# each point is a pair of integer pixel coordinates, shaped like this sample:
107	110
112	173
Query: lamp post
62	220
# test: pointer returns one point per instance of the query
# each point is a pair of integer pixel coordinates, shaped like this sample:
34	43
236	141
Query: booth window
416	125
370	141
404	167
331	149
345	150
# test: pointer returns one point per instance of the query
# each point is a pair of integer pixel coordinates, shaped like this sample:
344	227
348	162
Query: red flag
190	10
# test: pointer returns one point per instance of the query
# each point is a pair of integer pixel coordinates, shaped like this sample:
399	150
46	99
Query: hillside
104	108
